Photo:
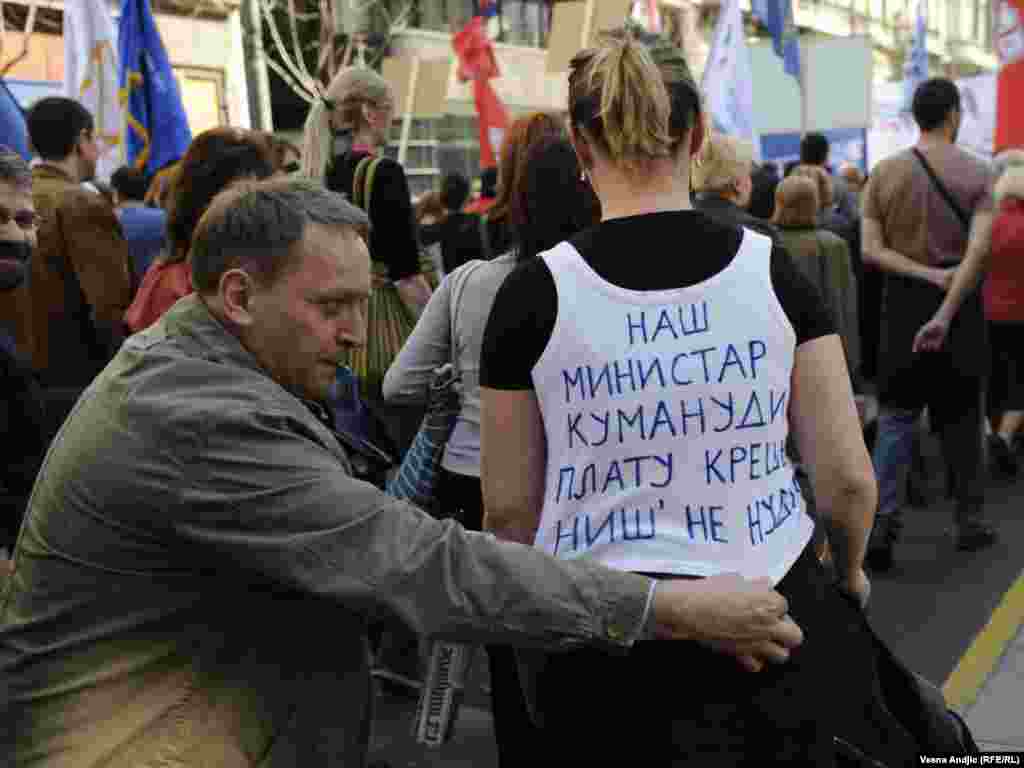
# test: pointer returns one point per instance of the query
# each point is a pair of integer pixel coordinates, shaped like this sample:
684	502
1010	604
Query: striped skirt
388	324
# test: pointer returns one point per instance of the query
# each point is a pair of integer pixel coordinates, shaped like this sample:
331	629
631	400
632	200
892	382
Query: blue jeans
962	449
892	456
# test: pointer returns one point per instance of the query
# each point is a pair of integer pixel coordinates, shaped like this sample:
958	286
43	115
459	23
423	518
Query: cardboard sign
577	24
425	80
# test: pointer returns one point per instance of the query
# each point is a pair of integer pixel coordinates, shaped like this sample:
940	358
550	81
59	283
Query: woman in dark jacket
723	184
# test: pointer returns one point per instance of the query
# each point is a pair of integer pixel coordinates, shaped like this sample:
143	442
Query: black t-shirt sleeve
519	327
393	237
803	304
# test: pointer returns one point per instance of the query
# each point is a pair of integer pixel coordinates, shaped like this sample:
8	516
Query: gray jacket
197	568
451	329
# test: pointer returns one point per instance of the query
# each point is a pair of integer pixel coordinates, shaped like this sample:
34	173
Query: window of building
202	94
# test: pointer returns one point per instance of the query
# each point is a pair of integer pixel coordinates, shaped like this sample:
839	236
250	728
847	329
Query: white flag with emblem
728	82
90	76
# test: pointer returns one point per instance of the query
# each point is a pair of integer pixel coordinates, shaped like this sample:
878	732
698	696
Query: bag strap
961	214
370	173
485	238
458	287
362	181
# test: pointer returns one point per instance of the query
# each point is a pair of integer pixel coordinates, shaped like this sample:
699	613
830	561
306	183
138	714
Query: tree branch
298	79
26	39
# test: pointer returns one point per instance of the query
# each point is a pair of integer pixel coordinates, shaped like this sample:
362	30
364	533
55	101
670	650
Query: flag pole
803	96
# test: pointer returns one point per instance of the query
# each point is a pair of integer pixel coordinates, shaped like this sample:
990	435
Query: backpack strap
362	181
371	171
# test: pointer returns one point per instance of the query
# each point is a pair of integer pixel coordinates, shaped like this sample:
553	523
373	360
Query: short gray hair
14	170
255	225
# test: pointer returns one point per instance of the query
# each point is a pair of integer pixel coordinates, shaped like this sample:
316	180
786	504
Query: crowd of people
661	458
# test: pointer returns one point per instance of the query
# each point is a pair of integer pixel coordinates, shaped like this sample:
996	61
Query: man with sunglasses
81	278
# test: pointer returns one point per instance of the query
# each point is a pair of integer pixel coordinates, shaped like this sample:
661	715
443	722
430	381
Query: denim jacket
197	567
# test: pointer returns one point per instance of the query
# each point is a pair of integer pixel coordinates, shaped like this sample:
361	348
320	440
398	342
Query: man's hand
932	335
742	618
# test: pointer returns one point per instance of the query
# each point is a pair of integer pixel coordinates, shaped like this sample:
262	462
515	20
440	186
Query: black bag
916	704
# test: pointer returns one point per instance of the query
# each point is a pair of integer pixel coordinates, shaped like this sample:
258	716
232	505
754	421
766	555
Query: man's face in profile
313	312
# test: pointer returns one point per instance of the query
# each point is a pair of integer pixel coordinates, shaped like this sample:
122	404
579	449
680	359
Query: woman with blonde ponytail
344	134
638	384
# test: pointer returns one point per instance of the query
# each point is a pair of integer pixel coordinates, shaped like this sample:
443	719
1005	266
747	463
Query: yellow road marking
975	666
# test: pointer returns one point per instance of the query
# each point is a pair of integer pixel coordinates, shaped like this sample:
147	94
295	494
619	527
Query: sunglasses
26	220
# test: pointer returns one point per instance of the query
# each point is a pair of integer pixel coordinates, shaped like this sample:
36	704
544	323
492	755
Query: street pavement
953	617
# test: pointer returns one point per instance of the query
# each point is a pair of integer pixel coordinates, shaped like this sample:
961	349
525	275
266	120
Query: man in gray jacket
195	575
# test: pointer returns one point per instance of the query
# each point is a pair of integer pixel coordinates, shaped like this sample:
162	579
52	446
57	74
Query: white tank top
666	422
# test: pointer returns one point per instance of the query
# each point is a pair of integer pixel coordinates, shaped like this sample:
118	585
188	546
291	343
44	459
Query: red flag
492	120
478	63
475	52
1009	44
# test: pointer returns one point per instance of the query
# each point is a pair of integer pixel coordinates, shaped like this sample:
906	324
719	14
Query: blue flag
13	130
158	131
777	16
915	69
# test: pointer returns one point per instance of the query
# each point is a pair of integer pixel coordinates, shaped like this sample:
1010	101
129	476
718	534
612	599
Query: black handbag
915	703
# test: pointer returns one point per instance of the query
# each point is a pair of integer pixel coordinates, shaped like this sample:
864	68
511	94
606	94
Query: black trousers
681	704
514	730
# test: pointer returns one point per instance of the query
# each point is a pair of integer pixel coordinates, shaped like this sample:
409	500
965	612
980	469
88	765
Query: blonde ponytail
617	95
316	141
345	96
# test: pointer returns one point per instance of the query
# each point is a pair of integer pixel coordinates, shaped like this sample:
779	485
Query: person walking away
198	567
575	342
1004	308
814	151
915	229
458	233
81	279
824	259
143	225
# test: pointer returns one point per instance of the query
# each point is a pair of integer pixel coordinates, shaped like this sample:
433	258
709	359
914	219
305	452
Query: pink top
162	285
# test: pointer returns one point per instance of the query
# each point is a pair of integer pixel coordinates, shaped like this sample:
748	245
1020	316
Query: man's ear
235	291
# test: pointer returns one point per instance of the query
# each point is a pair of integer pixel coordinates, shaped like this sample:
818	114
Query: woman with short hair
823	257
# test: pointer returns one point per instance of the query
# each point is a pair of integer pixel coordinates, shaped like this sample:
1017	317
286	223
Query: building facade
204	43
